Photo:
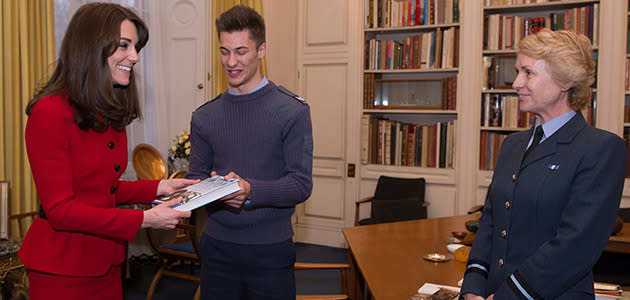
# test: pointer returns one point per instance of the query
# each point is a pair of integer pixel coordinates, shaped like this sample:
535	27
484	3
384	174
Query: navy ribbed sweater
266	138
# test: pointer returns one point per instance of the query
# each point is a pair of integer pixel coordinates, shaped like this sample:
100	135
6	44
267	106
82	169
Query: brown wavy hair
82	72
570	59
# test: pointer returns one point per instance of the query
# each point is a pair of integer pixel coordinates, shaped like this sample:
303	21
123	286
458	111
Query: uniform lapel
556	141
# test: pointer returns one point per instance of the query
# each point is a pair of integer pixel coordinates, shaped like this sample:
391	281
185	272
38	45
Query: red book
418	12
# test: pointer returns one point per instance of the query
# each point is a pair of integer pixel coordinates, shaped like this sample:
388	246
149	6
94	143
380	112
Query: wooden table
388	257
620	242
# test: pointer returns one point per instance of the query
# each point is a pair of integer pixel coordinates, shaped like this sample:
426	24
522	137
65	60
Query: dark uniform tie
537	137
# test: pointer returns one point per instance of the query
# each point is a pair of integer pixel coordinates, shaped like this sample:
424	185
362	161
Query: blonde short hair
570	60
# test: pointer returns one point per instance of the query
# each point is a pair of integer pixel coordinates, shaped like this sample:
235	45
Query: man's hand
236	199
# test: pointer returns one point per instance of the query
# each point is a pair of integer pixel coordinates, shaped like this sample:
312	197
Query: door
328	78
179	46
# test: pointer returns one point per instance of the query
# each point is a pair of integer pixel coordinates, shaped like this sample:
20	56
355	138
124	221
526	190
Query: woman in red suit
77	148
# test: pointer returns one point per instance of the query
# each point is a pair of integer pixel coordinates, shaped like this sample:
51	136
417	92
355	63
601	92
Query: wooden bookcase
411	59
454	190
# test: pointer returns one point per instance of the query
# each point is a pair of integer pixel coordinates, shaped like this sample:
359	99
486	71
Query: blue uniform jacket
547	219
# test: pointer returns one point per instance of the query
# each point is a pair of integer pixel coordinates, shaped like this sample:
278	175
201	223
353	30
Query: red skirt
52	287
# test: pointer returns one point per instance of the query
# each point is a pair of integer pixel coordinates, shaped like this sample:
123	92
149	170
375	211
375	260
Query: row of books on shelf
627	71
504	32
490	144
388	142
512	2
435	49
402	13
501	110
376	90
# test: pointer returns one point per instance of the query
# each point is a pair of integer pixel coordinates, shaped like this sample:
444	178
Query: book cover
365	138
201	193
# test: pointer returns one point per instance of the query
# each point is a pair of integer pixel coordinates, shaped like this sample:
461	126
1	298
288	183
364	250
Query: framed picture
501	73
4	209
410	94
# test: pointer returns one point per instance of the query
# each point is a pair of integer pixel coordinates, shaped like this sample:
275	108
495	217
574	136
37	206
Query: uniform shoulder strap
215	98
292	95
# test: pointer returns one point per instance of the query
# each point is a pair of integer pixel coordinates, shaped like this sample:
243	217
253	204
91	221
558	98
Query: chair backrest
178	174
148	162
399	199
343	268
23	220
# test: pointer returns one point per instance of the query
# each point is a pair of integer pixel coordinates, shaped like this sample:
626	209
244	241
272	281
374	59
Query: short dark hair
83	74
240	18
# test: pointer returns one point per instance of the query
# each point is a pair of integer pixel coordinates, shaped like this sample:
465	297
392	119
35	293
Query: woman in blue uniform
556	188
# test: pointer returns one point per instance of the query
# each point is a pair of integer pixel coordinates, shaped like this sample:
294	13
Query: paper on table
432	288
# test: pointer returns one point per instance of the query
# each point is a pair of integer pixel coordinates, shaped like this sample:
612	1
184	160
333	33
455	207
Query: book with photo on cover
201	193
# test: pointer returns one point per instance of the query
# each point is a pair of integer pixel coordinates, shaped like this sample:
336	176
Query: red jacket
77	175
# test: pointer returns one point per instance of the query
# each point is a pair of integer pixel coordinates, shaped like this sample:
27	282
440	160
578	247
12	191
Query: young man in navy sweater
261	134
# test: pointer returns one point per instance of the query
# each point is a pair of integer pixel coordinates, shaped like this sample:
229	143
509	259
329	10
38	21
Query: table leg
355	279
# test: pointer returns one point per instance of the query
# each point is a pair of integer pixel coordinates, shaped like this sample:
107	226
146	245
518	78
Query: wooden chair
23	220
184	246
395	199
343	268
181	248
177	174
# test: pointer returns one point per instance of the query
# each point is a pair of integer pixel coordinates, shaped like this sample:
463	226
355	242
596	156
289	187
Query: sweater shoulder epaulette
209	101
292	95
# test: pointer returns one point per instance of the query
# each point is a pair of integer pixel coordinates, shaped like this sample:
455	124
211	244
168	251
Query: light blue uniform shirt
262	83
550	127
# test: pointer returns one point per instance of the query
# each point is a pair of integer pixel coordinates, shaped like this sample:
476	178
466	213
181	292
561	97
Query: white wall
281	21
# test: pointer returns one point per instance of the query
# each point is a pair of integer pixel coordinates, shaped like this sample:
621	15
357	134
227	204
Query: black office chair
613	267
395	199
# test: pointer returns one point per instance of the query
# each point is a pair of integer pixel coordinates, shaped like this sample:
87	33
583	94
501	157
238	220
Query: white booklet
201	193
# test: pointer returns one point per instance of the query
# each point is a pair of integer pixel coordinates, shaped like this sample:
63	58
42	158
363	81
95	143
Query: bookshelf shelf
498	91
495	52
506	129
405	29
538	7
410	111
412	71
